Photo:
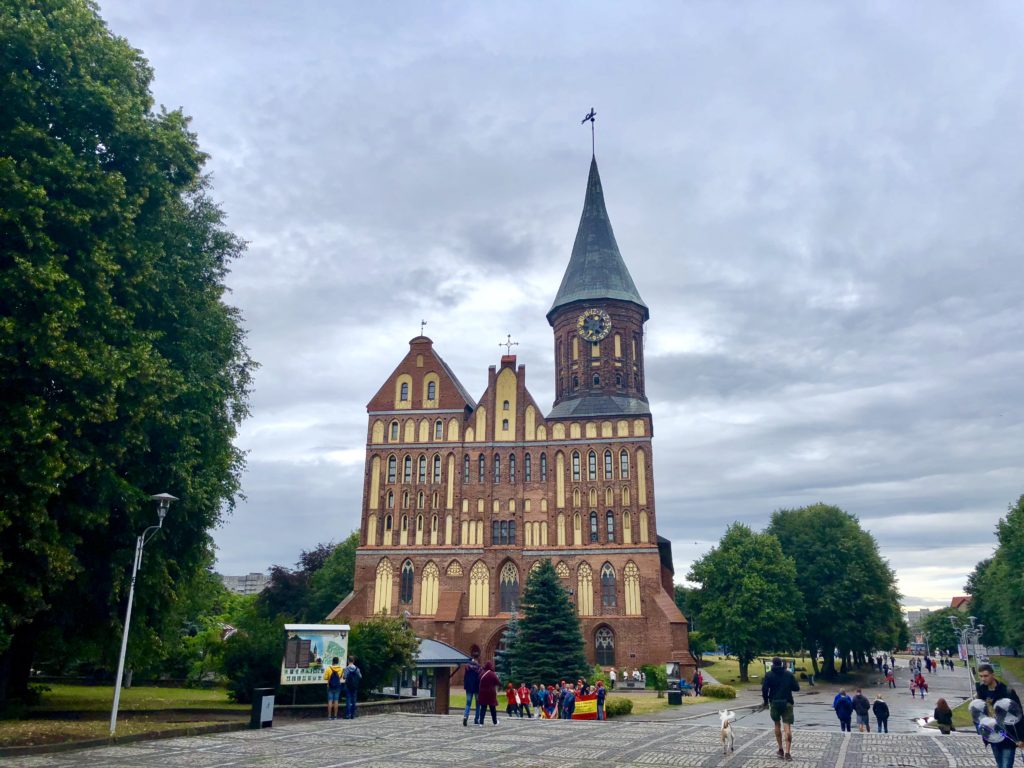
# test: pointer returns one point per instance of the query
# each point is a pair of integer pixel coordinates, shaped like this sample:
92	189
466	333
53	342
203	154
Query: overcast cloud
820	202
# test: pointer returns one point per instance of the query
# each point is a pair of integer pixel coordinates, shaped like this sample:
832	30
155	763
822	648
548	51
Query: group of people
551	702
846	707
342	679
636	676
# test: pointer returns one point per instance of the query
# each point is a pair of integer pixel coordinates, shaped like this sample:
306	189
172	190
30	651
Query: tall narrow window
607	586
438	429
604	647
597	380
512	468
512	532
391	500
431	390
632	580
575	467
543	467
593	526
504	532
624	464
404	396
481	469
405	499
394	430
497	468
392	468
437	469
407	469
504	406
465	468
607	465
508	588
592	466
527	469
504	425
610	525
423	469
495	533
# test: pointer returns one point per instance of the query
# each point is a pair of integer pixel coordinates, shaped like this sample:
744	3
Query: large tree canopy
123	371
996	585
748	596
848	591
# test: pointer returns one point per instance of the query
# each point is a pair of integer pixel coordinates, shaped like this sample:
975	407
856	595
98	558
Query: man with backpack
352	678
777	691
471	683
333	675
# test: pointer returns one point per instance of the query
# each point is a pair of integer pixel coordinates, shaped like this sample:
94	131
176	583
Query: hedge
718	691
616	707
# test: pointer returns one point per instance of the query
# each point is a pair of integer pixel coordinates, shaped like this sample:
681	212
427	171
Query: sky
819	202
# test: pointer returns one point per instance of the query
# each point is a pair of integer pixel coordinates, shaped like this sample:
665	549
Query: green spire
596	269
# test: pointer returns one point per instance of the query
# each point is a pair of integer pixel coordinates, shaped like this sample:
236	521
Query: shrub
719	691
616	707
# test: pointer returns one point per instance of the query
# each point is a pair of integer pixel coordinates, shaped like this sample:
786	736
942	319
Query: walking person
524	701
943	717
471	684
334	675
922	684
511	701
843	705
862	707
993	691
777	693
881	710
352	678
890	678
601	694
611	679
488	695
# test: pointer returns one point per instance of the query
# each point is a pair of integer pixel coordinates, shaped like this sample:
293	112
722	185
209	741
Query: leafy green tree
505	660
321	579
550	644
251	658
700	643
996	584
849	594
123	370
383	646
333	581
939	631
688	601
748	594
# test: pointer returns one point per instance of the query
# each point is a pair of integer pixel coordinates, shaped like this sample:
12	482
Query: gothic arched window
607	586
607	465
438	428
497	468
465	468
431	390
508	588
437	468
407	469
610	525
423	469
404	392
543	467
593	526
394	430
592	466
624	464
392	468
481	468
527	468
405	583
512	468
575	466
604	647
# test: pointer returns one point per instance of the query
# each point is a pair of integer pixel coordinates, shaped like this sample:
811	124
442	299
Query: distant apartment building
915	617
250	584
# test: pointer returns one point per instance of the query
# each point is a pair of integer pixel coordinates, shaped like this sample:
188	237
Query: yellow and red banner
586	708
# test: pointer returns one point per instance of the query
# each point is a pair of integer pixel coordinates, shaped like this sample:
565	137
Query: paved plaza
424	741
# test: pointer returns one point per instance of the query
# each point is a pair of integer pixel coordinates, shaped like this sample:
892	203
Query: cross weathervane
508	344
423	324
590	118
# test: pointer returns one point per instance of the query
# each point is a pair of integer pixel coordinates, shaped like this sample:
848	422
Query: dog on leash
728	739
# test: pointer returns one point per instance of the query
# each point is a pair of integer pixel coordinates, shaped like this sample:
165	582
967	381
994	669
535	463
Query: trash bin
675	698
262	708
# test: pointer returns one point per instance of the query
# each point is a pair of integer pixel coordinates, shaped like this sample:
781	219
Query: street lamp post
968	636
163	501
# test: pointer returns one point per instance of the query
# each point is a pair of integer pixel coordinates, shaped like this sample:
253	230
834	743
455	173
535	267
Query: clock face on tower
594	324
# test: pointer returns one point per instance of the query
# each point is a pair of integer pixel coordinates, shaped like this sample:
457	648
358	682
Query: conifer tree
505	659
550	644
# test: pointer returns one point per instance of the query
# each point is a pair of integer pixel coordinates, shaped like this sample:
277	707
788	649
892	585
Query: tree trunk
743	670
16	664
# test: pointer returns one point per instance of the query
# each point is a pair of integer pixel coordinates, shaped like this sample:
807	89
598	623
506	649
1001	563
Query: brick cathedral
463	497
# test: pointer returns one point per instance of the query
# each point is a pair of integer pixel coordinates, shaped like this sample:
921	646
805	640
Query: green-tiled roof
596	269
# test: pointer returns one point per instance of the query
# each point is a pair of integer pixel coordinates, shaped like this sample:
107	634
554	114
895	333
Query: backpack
334	681
353	677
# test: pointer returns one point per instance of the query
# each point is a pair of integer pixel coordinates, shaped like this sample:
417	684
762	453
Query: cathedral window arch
575	466
419	500
405	583
438	429
497	468
434	499
512	468
543	467
481	468
392	468
627	527
592	497
504	425
479	590
631	578
593	526
577	529
407	469
609	497
607	465
505	405
429	589
527	468
585	590
576	497
422	473
604	647
382	587
512	532
393	435
607	586
597	380
388	523
404	392
437	467
405	499
508	588
391	500
465	468
592	466
624	464
625	496
431	390
609	520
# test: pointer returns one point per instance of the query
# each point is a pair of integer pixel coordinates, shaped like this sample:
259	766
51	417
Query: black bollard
262	708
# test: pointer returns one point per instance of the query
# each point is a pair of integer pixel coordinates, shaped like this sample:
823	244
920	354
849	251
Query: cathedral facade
463	497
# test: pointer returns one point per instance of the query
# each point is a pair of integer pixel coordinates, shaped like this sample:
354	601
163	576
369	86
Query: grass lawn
727	671
23	733
99	698
1014	665
962	718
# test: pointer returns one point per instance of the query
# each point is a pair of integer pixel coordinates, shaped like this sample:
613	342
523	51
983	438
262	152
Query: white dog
728	739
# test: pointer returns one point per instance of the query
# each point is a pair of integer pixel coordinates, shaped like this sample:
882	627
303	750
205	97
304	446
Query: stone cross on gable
508	344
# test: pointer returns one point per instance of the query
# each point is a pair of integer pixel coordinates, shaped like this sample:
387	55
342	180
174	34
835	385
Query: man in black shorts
777	691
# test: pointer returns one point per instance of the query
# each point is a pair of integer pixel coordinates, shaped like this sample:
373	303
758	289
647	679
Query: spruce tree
549	647
505	660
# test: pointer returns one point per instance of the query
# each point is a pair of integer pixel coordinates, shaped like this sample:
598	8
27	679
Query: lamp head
163	502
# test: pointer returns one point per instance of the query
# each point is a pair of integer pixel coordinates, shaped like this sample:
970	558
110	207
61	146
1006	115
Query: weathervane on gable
590	118
423	324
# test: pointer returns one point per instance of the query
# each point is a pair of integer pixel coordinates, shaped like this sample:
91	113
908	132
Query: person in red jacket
512	701
488	696
524	701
